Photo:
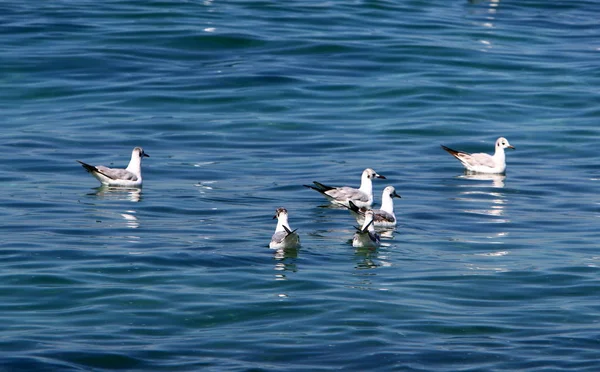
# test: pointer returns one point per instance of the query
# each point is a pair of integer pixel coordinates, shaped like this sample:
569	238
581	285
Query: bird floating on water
361	197
284	236
382	217
129	177
481	162
366	237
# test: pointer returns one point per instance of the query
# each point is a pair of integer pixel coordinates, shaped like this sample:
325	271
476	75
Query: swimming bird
361	197
366	237
484	163
284	237
129	177
383	217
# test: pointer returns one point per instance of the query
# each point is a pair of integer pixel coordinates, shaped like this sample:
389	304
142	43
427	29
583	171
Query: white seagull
484	163
383	217
284	237
130	177
361	197
366	237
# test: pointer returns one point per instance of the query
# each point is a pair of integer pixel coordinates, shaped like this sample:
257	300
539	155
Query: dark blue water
241	103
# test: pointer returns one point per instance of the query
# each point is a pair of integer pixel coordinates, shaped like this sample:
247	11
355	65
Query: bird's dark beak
380	176
512	147
275	216
146	155
397	195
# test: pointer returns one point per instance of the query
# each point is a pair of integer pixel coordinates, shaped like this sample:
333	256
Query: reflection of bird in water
483	192
481	162
497	179
283	237
383	217
366	237
284	253
362	197
118	193
129	177
132	221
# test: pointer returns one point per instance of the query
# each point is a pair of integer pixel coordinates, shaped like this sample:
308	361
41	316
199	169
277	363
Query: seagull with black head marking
361	197
382	217
284	237
129	177
481	162
366	237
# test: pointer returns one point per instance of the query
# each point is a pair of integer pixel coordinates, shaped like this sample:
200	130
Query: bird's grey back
118	174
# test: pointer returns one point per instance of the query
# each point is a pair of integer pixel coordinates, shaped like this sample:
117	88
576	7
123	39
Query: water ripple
239	105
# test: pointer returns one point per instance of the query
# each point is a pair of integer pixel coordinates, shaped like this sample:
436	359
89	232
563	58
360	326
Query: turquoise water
238	105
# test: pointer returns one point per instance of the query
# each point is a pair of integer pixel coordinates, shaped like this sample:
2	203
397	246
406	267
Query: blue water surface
239	104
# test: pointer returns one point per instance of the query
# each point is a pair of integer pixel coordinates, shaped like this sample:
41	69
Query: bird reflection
366	261
282	254
118	193
386	233
475	192
122	194
488	18
131	220
483	194
370	258
286	262
497	179
493	3
365	275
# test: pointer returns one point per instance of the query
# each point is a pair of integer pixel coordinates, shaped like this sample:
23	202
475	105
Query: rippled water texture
239	104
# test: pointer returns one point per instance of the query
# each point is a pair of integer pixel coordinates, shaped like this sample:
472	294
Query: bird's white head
391	192
370	174
502	143
139	152
280	213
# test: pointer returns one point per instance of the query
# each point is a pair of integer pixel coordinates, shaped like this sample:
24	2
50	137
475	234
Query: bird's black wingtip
449	150
353	207
87	167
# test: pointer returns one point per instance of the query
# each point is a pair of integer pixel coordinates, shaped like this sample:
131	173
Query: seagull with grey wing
284	237
361	197
481	162
366	237
129	177
382	217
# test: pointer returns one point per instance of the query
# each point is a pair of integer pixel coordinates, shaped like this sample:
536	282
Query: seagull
361	197
484	163
366	237
283	237
130	177
383	217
